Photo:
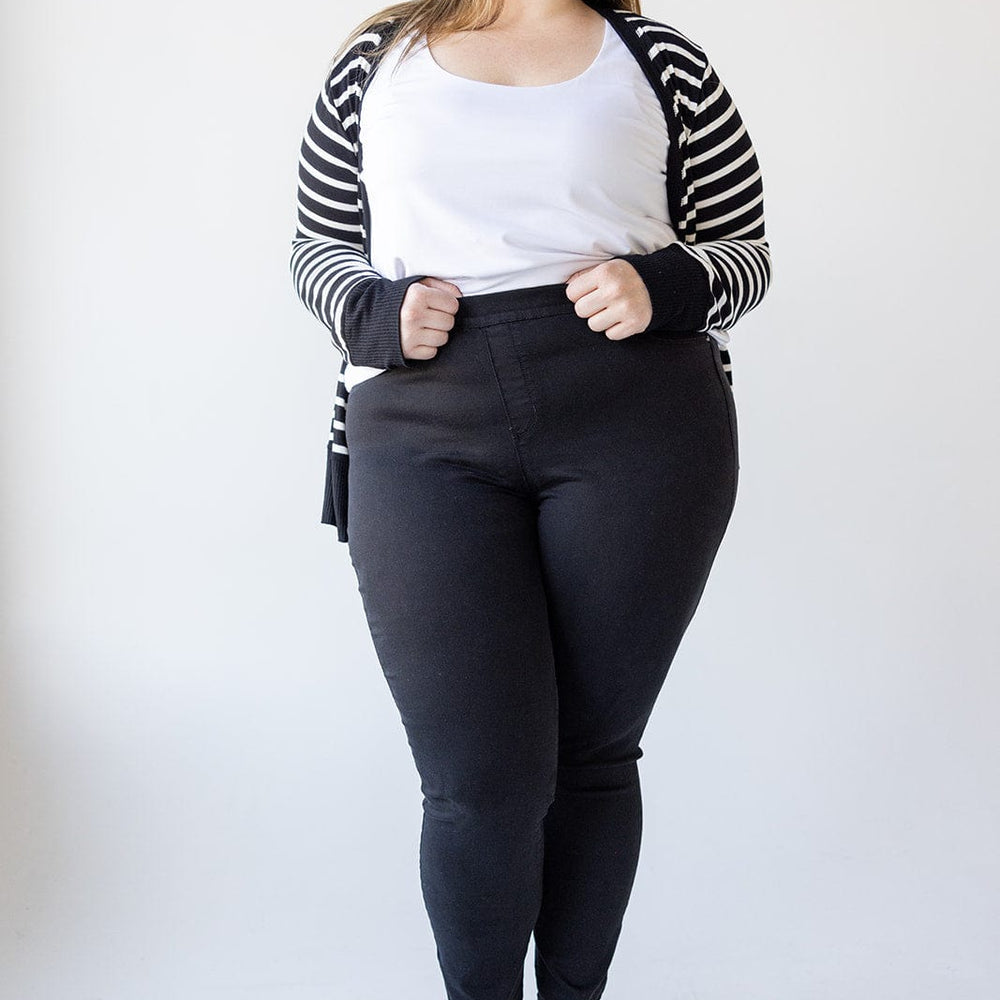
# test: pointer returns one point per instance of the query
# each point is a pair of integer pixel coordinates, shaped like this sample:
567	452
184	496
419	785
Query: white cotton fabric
495	187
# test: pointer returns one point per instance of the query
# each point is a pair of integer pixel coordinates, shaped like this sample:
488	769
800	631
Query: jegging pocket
368	380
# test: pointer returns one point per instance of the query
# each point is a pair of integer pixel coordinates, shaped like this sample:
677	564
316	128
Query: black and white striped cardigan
719	269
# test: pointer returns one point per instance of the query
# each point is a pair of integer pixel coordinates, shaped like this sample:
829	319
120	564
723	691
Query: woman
529	226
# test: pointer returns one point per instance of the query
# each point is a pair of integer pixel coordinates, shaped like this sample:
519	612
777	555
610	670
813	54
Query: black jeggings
534	513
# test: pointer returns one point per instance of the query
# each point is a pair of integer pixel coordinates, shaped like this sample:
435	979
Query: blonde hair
433	19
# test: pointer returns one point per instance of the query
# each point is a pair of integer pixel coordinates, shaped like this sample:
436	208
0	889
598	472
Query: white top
495	187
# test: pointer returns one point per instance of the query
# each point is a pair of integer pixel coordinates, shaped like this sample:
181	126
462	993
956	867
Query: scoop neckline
513	86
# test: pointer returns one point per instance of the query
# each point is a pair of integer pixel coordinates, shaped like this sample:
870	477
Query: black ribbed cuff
678	287
371	322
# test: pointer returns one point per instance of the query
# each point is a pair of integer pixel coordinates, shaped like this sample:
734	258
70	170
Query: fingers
447	286
610	315
427	315
592	303
581	283
421	353
432	310
612	298
439	297
619	331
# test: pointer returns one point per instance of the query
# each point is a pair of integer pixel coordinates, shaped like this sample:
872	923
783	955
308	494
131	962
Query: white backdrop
206	789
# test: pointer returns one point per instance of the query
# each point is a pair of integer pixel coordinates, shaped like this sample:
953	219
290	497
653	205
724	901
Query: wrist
372	328
678	287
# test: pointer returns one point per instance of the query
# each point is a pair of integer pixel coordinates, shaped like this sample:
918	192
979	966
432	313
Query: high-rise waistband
514	303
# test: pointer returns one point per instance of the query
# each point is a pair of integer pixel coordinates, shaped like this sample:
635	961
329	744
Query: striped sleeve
330	268
724	205
720	268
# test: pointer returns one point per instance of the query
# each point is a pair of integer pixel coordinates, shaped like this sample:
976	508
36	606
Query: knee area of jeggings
598	773
499	801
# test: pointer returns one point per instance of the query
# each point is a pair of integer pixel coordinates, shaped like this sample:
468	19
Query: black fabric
372	324
678	287
534	515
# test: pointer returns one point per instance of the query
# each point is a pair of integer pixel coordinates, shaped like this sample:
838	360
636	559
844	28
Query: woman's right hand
426	315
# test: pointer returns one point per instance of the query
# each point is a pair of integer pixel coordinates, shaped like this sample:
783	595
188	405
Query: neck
522	12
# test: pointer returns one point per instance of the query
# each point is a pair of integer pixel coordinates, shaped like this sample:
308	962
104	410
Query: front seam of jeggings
514	432
526	594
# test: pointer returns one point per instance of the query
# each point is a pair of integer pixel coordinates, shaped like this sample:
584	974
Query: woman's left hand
612	297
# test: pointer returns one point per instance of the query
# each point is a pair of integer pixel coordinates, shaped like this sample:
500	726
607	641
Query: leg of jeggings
447	560
624	571
632	453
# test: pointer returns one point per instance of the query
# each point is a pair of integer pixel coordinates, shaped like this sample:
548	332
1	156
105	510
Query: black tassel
335	491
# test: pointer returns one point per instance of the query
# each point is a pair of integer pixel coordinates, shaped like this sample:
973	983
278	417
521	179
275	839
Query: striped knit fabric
718	271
